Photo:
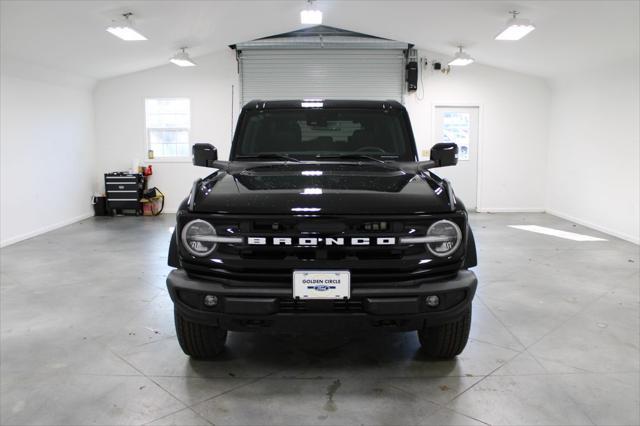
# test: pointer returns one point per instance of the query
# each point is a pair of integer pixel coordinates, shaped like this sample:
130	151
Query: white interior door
460	125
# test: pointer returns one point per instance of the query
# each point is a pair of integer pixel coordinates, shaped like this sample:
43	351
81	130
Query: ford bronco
322	219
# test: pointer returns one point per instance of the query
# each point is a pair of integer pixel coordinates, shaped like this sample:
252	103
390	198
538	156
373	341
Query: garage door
375	74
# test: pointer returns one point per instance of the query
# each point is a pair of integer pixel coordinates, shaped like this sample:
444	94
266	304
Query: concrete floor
87	338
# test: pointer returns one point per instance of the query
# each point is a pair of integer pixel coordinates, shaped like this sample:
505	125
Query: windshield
324	133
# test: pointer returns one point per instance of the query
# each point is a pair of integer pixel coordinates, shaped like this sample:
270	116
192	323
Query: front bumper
273	309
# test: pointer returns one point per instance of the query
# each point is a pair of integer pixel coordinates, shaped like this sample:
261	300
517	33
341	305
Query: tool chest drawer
121	186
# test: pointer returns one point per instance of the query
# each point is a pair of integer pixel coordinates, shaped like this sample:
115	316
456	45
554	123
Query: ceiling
70	36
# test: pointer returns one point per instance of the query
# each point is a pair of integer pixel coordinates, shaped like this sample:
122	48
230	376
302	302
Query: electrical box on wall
411	70
412	76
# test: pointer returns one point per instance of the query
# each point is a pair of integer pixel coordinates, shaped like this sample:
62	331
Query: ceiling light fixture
461	58
311	16
516	28
123	28
182	59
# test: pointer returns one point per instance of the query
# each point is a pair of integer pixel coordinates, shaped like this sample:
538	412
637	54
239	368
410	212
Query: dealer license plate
321	284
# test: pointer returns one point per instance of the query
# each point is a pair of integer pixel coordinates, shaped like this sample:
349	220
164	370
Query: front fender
173	259
470	257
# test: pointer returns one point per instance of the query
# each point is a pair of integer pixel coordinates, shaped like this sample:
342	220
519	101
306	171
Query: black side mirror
444	154
204	155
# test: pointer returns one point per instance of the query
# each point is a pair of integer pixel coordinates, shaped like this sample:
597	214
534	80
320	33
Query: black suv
323	219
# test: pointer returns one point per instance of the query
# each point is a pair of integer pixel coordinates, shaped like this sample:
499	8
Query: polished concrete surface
87	338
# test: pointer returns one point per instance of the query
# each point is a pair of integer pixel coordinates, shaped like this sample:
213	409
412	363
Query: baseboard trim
510	210
44	230
626	237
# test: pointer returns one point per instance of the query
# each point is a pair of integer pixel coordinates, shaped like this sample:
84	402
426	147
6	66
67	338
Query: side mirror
204	155
444	154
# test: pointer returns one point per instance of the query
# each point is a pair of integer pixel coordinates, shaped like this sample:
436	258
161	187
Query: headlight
199	237
443	238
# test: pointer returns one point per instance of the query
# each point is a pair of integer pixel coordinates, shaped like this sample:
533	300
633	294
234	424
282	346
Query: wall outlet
425	152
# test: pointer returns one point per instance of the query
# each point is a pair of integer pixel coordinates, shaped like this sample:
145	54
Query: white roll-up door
270	74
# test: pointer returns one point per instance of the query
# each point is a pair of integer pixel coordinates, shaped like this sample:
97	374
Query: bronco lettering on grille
318	241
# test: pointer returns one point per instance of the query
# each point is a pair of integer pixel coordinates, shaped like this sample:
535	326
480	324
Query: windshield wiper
352	156
269	155
359	157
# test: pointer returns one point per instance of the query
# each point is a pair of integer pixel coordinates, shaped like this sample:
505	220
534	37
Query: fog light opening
432	301
210	300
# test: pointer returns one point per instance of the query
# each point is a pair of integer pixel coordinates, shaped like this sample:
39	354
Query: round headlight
444	238
198	237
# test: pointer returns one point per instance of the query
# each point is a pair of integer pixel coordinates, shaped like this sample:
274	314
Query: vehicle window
168	121
309	133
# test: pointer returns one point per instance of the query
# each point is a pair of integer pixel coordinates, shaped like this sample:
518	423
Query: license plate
321	284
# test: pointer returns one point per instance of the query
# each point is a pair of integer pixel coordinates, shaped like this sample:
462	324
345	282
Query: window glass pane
168	106
173	120
168	136
182	136
170	150
456	127
184	150
168	121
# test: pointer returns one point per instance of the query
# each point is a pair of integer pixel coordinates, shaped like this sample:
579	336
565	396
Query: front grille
365	274
270	265
346	228
355	253
344	305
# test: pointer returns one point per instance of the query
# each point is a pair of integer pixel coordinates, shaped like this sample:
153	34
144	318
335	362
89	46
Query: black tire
447	340
197	340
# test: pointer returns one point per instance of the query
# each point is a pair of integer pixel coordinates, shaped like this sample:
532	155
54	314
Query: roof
322	103
320	37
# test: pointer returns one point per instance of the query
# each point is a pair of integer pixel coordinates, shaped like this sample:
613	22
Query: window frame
147	131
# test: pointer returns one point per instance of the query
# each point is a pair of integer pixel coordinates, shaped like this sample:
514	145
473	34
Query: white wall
594	151
46	144
120	119
513	129
572	149
514	121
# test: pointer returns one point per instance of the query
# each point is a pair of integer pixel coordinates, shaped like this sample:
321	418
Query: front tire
197	340
445	341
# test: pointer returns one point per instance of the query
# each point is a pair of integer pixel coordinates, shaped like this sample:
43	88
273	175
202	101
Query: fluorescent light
182	62
311	16
311	104
516	28
461	59
515	32
126	33
461	62
182	59
556	233
123	28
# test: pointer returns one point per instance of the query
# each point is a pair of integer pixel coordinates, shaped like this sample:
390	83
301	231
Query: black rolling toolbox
124	191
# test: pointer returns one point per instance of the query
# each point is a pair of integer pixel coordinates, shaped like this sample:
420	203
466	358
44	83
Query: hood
320	188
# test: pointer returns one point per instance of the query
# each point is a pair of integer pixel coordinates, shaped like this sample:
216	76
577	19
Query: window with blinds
168	123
